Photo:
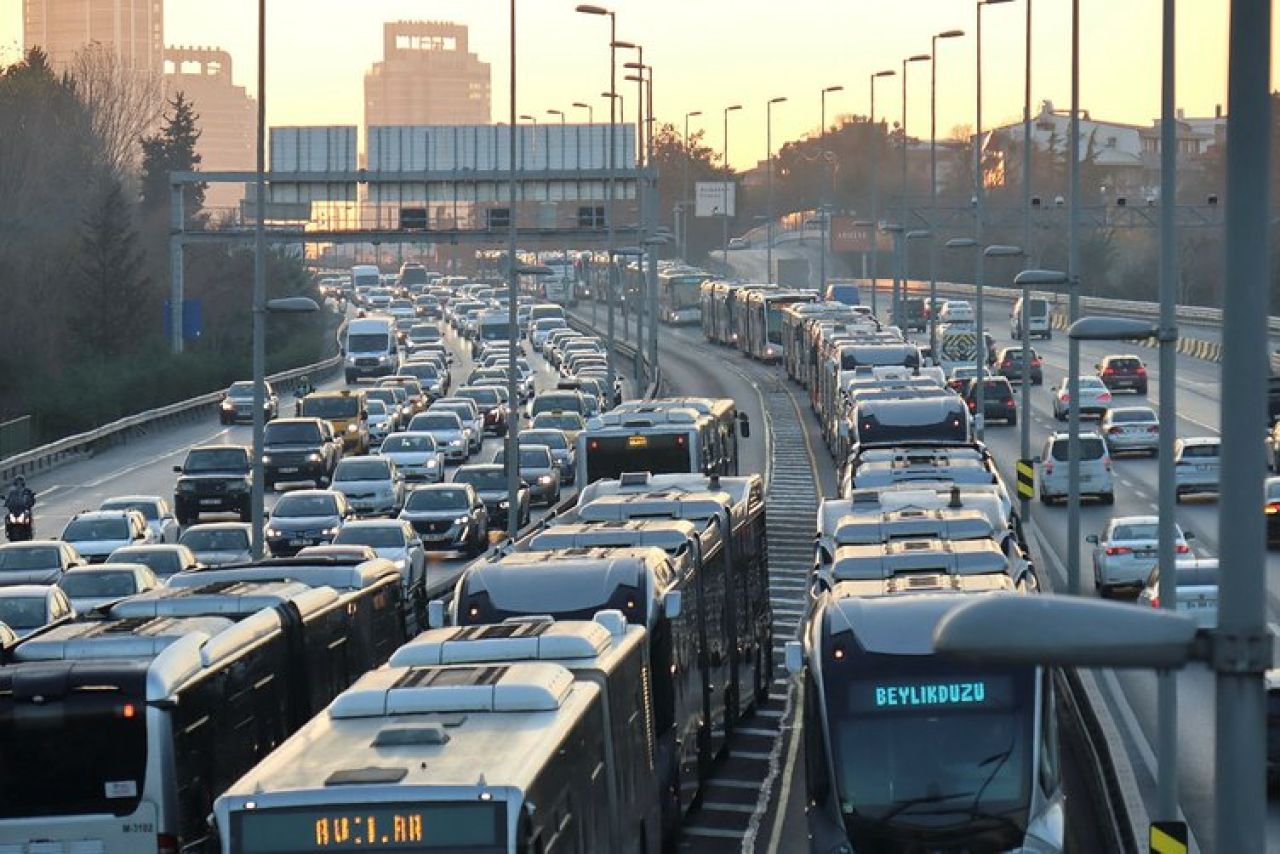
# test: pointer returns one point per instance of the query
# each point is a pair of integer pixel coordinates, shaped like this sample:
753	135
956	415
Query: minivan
1095	468
1038	325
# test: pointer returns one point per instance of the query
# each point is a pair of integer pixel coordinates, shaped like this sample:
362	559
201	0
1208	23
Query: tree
674	157
172	149
123	103
116	305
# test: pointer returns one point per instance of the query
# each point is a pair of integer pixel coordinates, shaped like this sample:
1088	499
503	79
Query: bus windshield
686	292
773	319
918	744
659	453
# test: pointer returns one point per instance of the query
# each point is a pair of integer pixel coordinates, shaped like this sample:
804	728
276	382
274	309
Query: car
467	410
393	414
1196	462
97	533
448	516
398	542
492	409
1196	587
1094	398
237	403
538	469
213	479
1095	468
347	552
1131	429
154	509
88	587
37	561
346	411
997	400
961	376
217	543
559	400
307	517
1273	447
739	243
433	379
453	438
372	485
915	314
569	423
562	451
1009	365
540	329
24	608
380	425
416	455
956	311
1270	509
490	483
164	560
299	450
1126	551
1123	373
1038	325
421	334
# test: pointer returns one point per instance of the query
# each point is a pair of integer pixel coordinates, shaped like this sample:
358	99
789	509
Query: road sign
1026	479
1168	837
714	198
848	236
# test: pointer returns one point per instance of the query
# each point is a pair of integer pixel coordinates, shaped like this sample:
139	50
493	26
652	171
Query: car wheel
1013	420
1058	416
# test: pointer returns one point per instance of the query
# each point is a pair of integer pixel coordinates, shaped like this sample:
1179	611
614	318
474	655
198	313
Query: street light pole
825	215
534	121
933	187
724	249
684	219
875	189
768	165
899	283
1026	140
1073	345
256	497
513	301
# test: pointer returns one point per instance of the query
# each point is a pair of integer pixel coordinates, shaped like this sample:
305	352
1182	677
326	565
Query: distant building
228	116
426	76
134	29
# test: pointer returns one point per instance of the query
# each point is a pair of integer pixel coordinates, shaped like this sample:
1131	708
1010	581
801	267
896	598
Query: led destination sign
890	695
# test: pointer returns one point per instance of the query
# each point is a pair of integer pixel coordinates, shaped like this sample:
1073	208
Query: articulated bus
661	437
679	296
730	422
796	354
758	318
720	312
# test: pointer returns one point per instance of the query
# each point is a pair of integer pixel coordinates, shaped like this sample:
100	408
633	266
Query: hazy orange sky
710	53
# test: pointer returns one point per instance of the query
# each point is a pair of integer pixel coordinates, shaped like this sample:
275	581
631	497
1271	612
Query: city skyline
316	68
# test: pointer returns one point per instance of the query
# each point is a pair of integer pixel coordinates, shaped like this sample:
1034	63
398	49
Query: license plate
299	542
289	470
210	502
1206	468
1144	553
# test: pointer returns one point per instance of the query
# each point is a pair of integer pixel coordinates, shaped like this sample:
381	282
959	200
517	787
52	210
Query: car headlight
273	532
462	520
544	479
314	458
382	357
237	486
266	459
186	486
353	428
504	504
453	443
330	532
226	404
431	463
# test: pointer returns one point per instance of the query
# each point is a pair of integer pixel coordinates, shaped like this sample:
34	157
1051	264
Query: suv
997	400
237	403
1123	372
1038	325
1009	365
1095	468
915	314
213	479
299	449
95	534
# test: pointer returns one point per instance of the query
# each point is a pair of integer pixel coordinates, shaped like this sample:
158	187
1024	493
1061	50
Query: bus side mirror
435	614
795	658
671	604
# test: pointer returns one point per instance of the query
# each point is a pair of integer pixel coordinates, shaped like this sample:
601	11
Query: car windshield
381	395
335	406
437	421
423	444
1135	531
99	584
148	509
559	420
96	529
1090	384
1124	364
1200	451
550	401
482	479
483	396
242	389
22	612
163	562
1273	489
431	500
357	469
379	537
29	557
292	433
376	407
1130	415
305	505
367	342
1198	576
1091	448
553	439
424	333
219	540
422	371
217	459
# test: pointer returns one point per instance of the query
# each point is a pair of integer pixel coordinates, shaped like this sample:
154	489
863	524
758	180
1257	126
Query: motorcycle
18	527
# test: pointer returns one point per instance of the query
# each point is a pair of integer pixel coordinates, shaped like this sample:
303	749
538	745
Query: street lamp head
692	114
891	228
623	45
734	107
635	66
778	100
609	95
292	305
961	243
999	250
919	234
888	72
580	105
863	223
949	34
534	270
588	9
834	89
1112	329
633	78
555	112
528	118
919	57
1041	279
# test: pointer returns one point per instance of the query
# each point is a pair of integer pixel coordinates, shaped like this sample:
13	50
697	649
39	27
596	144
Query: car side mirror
177	469
435	614
1092	538
364	414
795	658
671	603
1036	460
1188	535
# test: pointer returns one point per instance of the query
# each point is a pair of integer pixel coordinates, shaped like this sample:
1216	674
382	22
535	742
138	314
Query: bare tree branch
124	104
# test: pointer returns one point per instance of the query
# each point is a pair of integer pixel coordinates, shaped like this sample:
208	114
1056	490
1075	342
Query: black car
915	314
997	399
1123	373
448	516
299	449
490	482
213	479
237	403
489	401
1009	365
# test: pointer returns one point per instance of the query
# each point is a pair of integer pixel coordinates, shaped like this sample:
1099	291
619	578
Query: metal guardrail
15	436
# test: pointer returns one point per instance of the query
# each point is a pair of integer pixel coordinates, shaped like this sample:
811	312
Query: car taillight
1006	364
1108	372
1008	401
1048	468
166	844
1273	508
1112	551
1035	363
973	404
1142	372
1065	398
1113	430
1183	549
1155	601
1154	428
1106	395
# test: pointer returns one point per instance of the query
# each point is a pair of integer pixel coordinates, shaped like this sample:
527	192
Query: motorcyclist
303	388
20	498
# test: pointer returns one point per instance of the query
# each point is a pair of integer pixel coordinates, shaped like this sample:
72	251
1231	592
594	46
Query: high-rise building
134	29
426	77
228	120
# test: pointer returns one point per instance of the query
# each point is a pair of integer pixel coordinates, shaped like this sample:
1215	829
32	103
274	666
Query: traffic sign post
1026	479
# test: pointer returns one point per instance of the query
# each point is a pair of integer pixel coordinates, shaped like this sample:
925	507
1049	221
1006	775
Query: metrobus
719	309
679	296
905	748
796	354
651	437
515	765
759	321
730	422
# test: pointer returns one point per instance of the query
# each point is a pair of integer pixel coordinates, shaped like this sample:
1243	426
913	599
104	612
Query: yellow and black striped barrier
1026	479
1168	837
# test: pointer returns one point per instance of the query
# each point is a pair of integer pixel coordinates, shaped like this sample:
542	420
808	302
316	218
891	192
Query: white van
371	349
1038	325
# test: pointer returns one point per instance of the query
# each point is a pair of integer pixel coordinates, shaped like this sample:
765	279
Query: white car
956	311
27	607
395	540
1196	462
89	587
373	486
446	427
154	509
470	414
416	455
37	561
1126	552
216	543
97	533
542	328
380	420
1095	469
1197	590
164	561
1095	399
1131	429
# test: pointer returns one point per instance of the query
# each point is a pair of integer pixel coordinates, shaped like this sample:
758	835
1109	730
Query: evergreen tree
115	302
172	149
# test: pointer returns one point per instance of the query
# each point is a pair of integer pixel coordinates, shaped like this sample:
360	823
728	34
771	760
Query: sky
708	54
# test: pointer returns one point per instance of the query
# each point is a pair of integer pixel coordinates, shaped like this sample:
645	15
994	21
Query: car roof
132	498
219	526
1200	440
103	514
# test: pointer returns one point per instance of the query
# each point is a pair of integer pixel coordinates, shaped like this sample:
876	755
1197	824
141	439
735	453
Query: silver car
1095	398
1131	429
37	561
452	437
416	455
154	509
398	542
88	587
372	484
1195	466
1126	552
97	533
1197	590
539	469
216	543
562	451
27	607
